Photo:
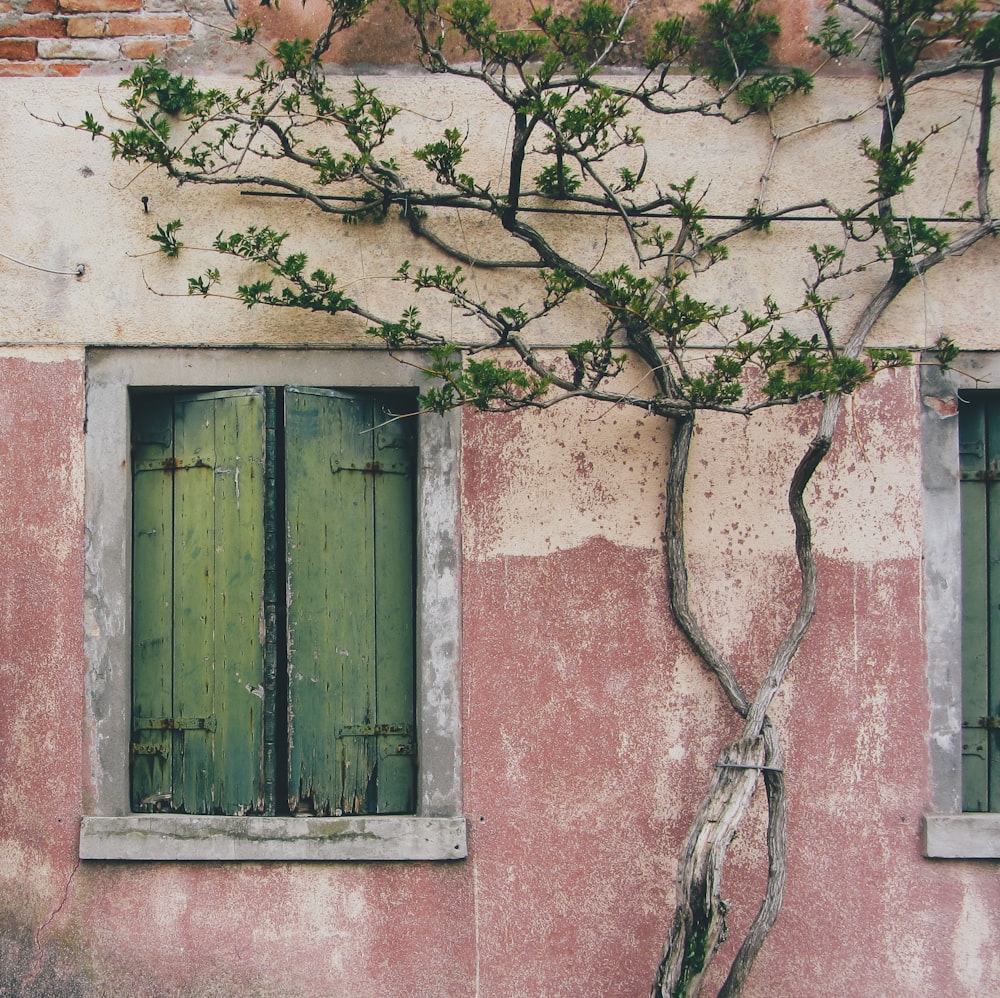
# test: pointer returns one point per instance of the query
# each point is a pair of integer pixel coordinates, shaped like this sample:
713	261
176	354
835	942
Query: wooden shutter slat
238	496
195	579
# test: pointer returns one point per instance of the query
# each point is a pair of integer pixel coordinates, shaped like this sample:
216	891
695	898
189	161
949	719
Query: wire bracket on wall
78	271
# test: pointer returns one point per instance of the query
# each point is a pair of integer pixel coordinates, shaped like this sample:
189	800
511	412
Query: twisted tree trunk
699	924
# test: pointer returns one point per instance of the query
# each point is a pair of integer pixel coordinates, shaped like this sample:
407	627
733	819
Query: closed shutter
198	583
979	454
349	550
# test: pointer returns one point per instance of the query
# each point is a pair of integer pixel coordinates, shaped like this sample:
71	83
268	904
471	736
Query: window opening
979	464
273	662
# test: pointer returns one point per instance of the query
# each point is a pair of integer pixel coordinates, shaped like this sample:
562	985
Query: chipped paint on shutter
979	462
349	546
206	580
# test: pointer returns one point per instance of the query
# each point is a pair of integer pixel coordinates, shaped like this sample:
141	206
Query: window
960	427
272	603
304	545
979	467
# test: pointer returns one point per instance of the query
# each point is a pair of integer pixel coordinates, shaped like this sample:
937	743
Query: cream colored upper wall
66	206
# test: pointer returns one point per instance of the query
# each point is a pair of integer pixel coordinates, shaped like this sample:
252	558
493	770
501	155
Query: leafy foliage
737	39
576	128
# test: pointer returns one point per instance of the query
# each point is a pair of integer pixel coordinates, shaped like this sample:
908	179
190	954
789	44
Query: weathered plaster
589	734
112	301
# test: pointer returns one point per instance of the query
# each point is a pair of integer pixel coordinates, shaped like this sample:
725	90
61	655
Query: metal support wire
78	272
592	213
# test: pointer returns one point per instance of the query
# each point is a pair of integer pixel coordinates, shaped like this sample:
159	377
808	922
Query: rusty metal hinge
369	467
989	723
175	723
171	464
373	730
407	747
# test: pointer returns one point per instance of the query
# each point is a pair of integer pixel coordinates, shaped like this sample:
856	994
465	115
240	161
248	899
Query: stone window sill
962	836
142	837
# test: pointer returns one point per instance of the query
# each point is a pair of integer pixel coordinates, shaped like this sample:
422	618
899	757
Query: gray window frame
949	833
109	831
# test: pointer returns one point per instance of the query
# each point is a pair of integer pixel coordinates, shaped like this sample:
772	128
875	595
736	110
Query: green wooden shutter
979	460
152	602
349	549
198	578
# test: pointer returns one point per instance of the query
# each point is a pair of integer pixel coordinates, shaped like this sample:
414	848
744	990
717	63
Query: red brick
18	49
86	27
97	6
66	68
143	48
22	69
146	24
35	27
40	7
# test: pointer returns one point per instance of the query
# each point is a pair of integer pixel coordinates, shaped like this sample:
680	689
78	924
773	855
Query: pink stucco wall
588	738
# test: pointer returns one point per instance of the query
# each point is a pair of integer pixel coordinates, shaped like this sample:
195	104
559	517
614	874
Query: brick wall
69	37
74	37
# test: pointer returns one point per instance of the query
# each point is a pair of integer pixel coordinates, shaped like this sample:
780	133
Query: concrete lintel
962	836
142	837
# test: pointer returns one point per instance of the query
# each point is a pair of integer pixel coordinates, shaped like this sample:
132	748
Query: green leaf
556	181
165	236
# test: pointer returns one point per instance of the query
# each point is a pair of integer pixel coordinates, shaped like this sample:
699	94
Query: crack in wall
36	967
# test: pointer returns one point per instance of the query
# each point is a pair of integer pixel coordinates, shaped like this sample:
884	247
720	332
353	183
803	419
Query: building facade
561	732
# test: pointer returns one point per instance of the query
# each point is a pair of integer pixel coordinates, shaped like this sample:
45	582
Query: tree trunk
699	925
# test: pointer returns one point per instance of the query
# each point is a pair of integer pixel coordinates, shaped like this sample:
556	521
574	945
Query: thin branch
818	448
984	169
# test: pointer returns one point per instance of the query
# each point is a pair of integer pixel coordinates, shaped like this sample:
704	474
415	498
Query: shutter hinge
171	464
407	747
370	467
175	723
989	723
373	730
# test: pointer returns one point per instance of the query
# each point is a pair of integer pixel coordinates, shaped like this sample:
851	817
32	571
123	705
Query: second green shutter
349	544
979	453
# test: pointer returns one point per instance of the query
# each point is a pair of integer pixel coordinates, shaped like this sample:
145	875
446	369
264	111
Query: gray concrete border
948	833
110	831
148	837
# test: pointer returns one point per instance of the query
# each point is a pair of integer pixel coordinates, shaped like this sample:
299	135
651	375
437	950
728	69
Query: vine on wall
577	144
